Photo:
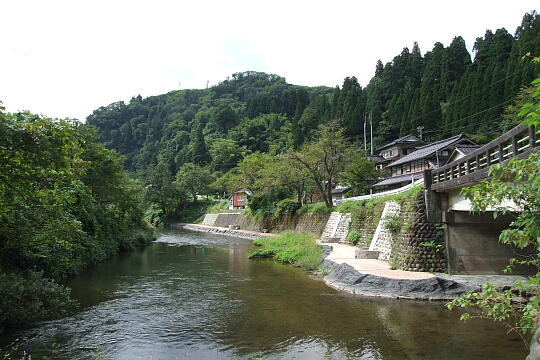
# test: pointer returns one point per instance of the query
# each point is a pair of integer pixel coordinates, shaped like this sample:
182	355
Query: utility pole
365	135
207	81
371	129
420	128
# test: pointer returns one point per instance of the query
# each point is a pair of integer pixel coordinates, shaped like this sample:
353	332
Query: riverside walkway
372	277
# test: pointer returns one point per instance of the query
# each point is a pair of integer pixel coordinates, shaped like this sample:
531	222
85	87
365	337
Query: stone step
210	219
329	239
343	227
366	254
332	224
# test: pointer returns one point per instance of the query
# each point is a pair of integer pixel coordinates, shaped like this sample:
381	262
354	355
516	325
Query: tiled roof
407	178
427	150
413	139
467	149
340	189
377	159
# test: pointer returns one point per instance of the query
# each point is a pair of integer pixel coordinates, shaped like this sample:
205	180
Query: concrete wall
240	219
310	222
473	247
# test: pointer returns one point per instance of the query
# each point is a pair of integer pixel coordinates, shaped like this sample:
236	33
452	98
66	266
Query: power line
471	94
469	116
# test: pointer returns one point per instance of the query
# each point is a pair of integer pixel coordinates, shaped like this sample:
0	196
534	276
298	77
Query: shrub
354	237
348	206
217	206
393	223
318	207
30	298
286	207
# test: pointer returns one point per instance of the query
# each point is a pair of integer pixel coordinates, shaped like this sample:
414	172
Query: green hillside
446	90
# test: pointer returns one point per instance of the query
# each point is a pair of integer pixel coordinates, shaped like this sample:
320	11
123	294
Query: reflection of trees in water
214	296
280	307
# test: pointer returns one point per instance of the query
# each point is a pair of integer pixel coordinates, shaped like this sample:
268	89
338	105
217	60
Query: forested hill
251	111
444	90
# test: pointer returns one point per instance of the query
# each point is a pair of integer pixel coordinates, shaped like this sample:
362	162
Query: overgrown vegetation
354	236
318	207
65	204
299	249
194	211
30	297
365	214
393	223
518	181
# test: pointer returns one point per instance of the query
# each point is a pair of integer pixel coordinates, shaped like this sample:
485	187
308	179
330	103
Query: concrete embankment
246	234
309	222
369	277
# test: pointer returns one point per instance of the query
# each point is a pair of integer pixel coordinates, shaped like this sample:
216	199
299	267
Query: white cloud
66	58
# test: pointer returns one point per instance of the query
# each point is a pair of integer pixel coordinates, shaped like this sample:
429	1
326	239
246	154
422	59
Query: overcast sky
67	58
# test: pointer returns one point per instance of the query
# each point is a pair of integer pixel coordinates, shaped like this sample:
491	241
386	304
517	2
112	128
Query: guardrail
516	143
380	194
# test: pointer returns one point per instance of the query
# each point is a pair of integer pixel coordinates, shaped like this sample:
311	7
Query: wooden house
239	199
410	167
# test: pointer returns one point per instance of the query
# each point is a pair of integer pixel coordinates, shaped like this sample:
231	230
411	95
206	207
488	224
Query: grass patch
291	247
318	207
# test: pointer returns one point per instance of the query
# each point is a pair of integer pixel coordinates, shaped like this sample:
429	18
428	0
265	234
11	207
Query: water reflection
197	296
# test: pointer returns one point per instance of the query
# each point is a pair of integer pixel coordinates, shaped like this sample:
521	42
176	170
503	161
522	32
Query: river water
198	296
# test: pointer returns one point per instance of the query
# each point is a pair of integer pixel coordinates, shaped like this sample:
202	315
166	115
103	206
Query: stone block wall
383	239
240	219
309	222
365	221
420	245
417	246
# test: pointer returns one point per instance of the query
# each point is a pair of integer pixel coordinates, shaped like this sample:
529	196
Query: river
198	296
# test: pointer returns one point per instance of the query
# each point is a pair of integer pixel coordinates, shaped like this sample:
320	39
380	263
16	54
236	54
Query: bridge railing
515	143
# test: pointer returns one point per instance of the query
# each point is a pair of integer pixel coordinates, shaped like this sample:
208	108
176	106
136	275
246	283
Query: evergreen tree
199	151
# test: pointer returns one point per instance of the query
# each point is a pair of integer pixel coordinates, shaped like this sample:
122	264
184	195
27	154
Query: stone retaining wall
309	222
421	246
383	239
417	246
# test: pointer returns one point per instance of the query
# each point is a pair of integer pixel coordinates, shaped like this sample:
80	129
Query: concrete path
342	253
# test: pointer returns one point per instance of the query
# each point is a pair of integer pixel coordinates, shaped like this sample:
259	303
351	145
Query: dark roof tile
425	151
398	179
413	139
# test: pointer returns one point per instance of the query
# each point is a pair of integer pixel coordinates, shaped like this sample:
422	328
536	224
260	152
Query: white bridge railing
381	194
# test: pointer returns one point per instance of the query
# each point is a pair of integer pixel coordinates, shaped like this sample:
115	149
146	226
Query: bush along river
197	296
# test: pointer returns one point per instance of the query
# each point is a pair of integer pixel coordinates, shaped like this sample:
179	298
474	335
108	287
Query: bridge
472	238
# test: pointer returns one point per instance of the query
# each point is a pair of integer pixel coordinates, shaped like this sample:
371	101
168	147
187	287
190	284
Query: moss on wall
417	245
366	214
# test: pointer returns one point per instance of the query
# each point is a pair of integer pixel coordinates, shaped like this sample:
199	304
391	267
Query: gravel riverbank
222	231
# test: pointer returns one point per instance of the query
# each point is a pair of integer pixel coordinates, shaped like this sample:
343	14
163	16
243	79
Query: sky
67	58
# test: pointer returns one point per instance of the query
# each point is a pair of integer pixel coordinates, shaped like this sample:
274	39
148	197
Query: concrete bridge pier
472	244
472	239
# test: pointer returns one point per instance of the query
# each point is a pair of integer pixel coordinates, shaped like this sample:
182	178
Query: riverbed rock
344	277
534	350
